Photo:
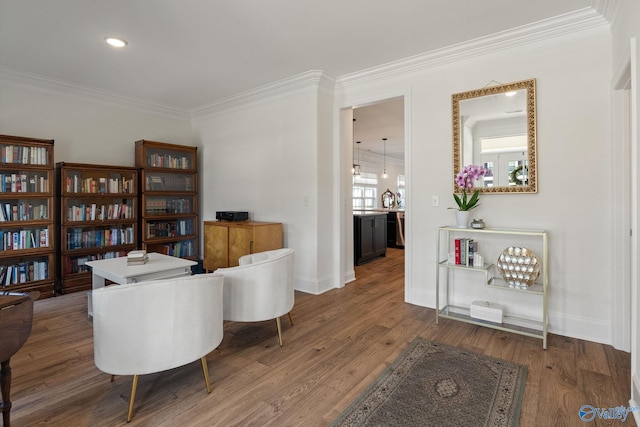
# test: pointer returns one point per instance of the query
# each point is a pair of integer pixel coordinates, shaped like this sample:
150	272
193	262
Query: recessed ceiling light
115	41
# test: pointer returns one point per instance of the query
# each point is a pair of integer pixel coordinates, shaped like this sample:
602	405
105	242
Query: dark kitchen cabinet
370	237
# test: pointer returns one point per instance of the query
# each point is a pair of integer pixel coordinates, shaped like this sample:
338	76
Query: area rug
432	384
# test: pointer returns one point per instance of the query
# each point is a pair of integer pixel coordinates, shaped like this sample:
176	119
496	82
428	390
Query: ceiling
183	55
381	120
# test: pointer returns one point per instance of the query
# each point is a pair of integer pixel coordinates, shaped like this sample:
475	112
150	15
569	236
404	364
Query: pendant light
355	170
356	166
385	175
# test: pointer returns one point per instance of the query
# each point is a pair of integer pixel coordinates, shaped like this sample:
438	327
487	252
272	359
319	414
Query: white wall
85	129
573	165
273	158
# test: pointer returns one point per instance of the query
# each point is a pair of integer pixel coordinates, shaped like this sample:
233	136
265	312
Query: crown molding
609	9
581	24
60	87
310	79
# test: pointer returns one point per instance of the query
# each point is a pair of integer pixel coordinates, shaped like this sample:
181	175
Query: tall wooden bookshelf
168	198
97	219
27	241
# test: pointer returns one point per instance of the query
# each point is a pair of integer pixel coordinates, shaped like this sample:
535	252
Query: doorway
380	127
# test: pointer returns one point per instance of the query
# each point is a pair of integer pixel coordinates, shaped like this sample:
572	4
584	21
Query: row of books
168	206
157	160
24	183
94	212
183	227
24	211
25	155
77	264
169	183
78	238
464	250
23	272
24	239
177	249
115	184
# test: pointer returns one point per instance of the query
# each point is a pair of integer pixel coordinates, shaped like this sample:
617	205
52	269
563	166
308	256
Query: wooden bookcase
27	241
97	209
168	198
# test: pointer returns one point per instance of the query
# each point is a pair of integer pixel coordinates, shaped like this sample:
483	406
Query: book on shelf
464	250
7	279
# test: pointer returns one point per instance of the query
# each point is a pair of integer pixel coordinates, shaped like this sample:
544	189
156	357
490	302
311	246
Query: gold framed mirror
495	127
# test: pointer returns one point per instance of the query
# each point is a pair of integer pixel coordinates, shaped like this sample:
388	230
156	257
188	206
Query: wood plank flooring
340	342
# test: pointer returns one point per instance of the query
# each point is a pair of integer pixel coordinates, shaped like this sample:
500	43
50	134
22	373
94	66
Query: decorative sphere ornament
519	267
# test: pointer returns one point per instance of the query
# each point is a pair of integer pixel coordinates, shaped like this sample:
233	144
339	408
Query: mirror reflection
495	127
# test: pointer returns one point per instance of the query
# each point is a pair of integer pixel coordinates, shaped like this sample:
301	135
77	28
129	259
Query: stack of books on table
137	257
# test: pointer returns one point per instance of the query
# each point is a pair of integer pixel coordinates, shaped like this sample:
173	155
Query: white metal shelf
511	323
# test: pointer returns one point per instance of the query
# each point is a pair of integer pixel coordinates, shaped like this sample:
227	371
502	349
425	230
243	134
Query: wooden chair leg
279	330
113	378
290	319
205	370
134	387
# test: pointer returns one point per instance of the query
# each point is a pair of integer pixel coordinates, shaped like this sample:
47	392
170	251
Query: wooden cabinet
370	237
27	242
226	241
97	219
168	198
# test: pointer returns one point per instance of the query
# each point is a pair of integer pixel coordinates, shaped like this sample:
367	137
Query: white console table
159	266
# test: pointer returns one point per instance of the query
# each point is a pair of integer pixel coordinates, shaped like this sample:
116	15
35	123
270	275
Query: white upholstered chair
153	326
260	288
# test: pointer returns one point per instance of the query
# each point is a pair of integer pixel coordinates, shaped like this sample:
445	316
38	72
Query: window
365	190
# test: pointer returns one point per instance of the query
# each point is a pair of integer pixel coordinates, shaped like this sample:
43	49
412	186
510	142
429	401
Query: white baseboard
635	397
350	276
570	326
311	286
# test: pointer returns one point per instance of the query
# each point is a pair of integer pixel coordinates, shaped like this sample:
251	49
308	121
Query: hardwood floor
340	342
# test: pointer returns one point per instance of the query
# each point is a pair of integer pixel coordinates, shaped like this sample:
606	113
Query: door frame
344	238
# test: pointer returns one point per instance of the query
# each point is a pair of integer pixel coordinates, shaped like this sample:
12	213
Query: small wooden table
159	266
16	317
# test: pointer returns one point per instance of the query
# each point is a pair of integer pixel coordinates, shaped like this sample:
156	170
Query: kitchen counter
375	211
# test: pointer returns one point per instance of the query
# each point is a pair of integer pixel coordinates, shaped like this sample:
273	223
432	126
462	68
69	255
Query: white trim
408	185
343	157
635	221
581	24
559	323
344	204
609	9
312	285
64	88
309	79
621	208
635	391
